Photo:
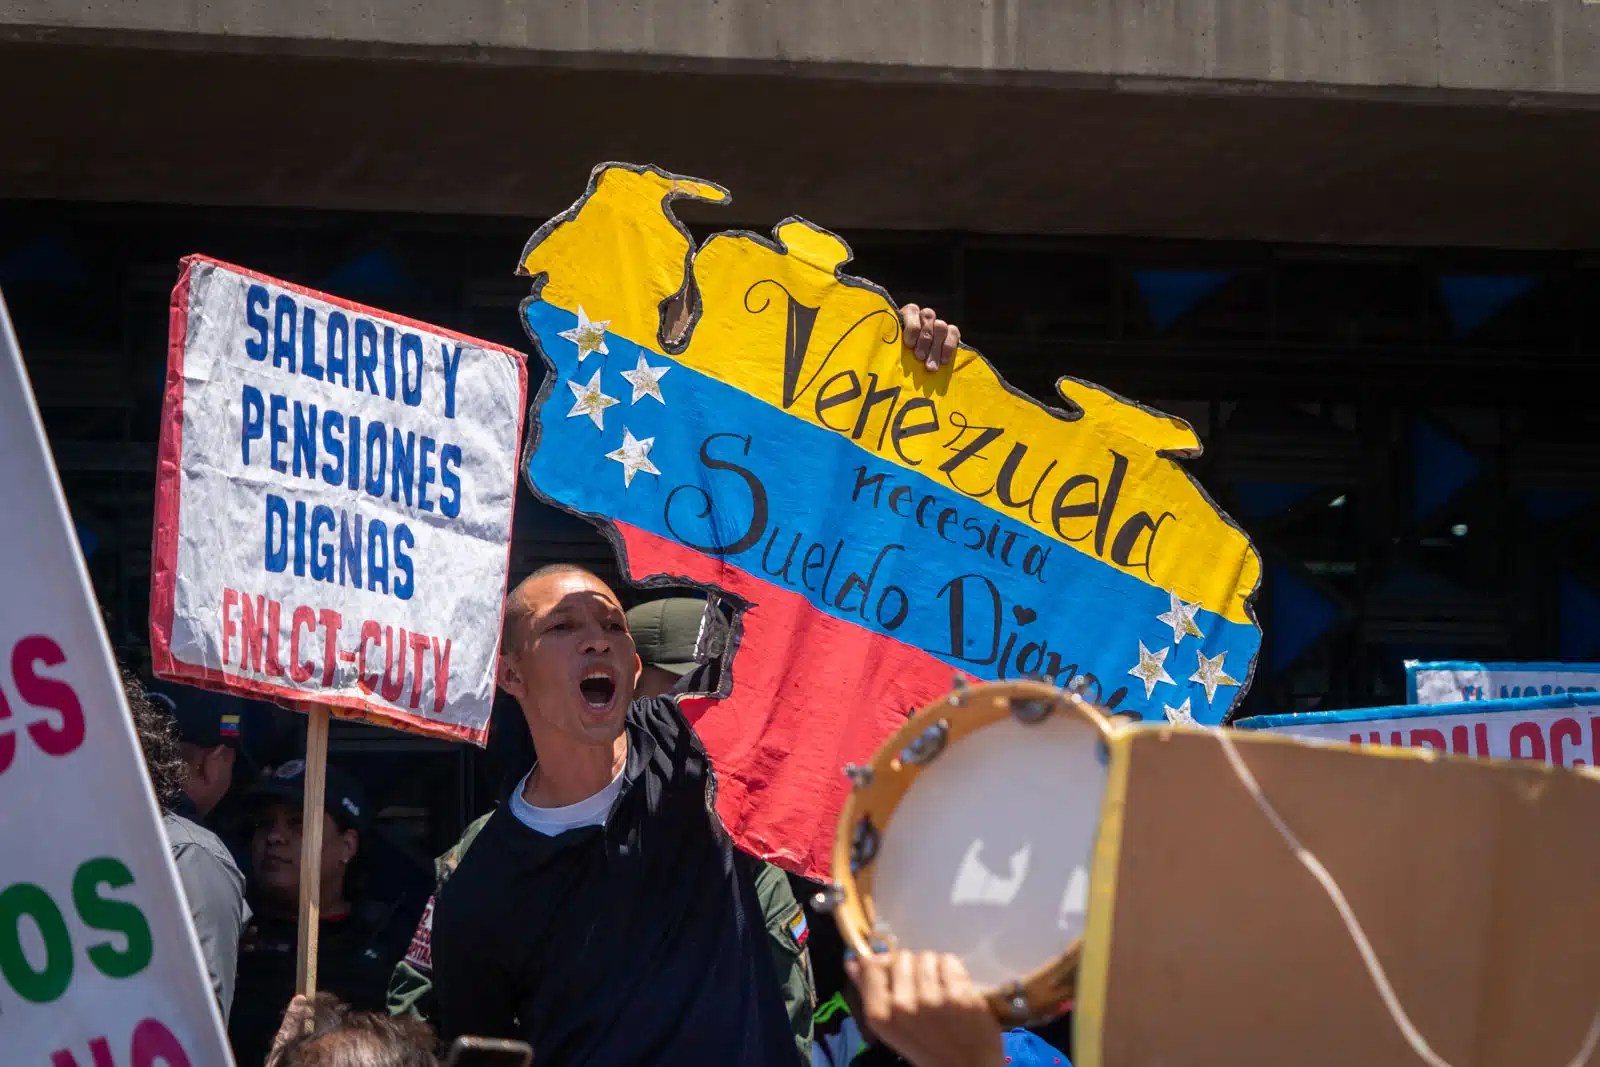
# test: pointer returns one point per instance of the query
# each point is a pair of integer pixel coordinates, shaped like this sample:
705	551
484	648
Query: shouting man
601	916
676	656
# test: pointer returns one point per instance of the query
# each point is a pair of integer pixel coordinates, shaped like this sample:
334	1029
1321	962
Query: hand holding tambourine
925	1007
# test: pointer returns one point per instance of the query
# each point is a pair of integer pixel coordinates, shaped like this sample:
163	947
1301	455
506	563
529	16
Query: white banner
98	963
1446	683
1560	730
333	510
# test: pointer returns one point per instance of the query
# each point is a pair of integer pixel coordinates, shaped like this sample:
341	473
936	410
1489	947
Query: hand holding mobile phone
488	1052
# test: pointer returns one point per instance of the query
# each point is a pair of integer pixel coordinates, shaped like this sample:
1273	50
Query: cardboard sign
333	510
1446	683
1210	944
98	962
881	526
1559	730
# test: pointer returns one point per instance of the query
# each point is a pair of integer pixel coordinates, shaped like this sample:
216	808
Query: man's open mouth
598	689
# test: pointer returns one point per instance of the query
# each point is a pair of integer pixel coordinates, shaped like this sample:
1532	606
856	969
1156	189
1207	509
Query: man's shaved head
513	628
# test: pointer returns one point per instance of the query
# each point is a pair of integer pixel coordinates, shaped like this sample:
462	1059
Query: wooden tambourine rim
1036	997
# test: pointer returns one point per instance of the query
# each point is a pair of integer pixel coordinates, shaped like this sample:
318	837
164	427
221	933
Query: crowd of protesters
599	915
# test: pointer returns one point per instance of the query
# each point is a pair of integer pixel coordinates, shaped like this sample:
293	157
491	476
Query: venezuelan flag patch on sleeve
798	929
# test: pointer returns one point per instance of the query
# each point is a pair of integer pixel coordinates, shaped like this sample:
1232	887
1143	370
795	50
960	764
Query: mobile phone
488	1052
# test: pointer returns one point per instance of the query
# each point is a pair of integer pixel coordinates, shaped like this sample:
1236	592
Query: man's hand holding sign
932	340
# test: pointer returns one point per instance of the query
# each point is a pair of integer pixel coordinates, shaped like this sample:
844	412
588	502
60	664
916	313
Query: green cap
667	632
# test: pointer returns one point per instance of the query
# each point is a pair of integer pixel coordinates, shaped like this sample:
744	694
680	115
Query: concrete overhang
1470	122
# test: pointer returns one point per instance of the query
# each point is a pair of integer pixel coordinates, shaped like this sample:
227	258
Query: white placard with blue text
1448	682
333	506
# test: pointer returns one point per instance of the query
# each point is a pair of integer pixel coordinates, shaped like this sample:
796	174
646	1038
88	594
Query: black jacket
355	954
634	943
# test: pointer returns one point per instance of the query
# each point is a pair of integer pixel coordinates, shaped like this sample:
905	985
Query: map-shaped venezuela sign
745	417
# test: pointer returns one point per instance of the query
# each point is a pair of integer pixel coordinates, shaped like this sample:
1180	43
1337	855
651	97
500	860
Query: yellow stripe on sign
616	253
777	324
778	327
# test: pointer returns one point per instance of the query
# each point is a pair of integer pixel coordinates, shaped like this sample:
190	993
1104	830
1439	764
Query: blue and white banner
1452	681
1562	729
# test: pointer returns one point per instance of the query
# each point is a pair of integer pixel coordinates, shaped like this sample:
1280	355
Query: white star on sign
1150	669
1209	673
591	401
646	380
588	336
634	455
1180	715
1181	618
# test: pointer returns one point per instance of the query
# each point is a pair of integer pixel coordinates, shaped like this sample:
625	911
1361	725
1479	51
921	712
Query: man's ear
509	678
638	668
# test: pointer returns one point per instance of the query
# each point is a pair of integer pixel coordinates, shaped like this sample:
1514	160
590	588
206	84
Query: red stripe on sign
793	717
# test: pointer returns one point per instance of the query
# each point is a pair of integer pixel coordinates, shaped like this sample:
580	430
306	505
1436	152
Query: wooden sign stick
311	820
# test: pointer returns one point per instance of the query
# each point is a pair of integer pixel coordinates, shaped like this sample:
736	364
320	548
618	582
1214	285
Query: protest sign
1562	730
334	498
1470	884
880	526
1445	683
98	962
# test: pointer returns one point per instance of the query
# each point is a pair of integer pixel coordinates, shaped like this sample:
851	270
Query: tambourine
971	832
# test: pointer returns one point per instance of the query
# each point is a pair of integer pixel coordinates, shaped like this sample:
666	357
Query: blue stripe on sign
860	538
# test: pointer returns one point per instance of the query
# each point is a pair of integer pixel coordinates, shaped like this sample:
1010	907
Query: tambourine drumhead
983	848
